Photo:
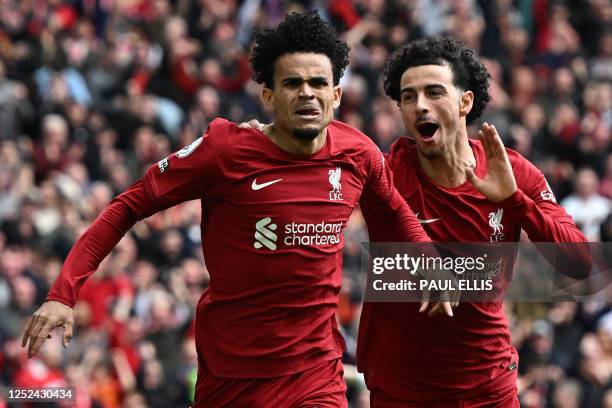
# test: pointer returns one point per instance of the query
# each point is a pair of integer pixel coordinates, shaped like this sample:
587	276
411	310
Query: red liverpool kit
272	239
411	359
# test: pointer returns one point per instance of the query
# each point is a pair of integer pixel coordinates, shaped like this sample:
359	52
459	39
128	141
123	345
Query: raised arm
390	219
186	175
521	189
385	206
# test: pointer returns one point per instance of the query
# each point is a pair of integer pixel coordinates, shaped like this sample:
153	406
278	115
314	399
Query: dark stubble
435	153
306	134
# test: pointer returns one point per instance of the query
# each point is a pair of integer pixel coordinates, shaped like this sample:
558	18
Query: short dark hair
298	32
468	72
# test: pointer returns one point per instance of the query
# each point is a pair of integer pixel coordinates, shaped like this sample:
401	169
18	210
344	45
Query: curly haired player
272	224
463	190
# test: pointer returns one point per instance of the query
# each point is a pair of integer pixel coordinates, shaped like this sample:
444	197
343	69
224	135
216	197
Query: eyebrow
301	79
427	88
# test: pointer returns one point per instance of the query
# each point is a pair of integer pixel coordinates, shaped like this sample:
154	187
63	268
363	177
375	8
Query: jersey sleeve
99	240
539	214
546	221
188	174
194	171
387	215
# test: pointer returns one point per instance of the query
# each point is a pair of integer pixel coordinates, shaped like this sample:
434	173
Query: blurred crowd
92	92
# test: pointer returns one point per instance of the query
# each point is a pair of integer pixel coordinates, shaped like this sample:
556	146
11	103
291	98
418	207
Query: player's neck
293	145
448	169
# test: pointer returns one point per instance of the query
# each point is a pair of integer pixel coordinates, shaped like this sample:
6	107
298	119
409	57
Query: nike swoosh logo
256	186
427	221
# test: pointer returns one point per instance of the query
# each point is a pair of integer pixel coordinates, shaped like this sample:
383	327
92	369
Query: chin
306	133
432	153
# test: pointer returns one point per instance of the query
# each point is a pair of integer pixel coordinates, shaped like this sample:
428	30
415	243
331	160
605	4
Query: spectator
567	394
586	206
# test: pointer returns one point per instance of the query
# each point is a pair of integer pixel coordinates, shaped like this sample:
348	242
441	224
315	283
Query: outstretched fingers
497	146
424	301
37	332
483	134
441	308
39	339
68	331
28	330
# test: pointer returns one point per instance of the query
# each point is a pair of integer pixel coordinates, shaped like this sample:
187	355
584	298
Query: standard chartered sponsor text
322	233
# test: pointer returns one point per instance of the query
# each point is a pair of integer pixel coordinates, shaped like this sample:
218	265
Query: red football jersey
272	239
421	358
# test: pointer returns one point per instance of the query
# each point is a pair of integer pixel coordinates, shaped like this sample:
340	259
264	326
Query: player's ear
337	96
466	103
267	97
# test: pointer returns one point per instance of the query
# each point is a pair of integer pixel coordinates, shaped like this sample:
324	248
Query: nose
420	106
306	91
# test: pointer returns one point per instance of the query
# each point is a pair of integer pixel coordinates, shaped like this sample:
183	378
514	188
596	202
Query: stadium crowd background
92	92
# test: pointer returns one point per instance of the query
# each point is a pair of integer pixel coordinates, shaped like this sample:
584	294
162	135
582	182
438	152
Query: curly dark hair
298	32
468	72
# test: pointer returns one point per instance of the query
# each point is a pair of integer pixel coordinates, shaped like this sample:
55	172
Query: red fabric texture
411	356
270	309
321	386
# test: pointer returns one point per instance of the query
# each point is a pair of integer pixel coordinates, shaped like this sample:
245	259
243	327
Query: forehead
304	65
423	75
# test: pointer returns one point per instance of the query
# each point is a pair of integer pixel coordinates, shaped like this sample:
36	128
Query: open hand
448	299
50	315
499	182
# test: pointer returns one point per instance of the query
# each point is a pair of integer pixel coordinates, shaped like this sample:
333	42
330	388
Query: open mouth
307	112
427	129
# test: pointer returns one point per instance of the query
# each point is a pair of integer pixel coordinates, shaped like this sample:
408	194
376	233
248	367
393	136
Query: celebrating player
274	206
463	190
